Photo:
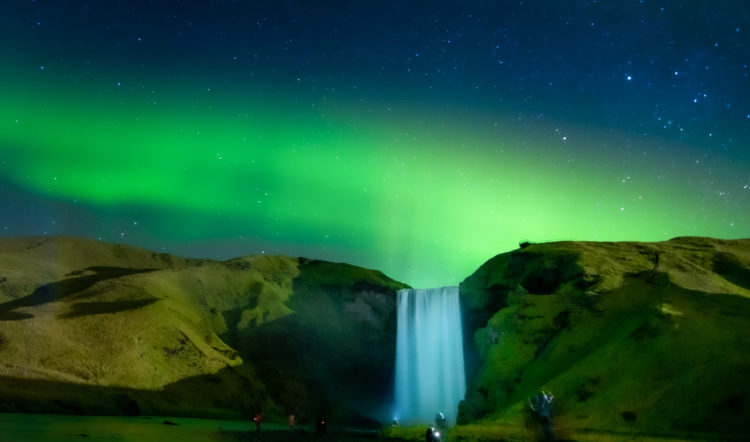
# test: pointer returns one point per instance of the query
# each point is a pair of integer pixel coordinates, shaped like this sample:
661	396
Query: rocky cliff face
645	337
90	327
339	339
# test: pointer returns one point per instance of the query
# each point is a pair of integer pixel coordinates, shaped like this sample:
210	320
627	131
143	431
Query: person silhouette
257	420
541	405
440	420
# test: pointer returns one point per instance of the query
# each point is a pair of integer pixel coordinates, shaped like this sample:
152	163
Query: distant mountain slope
632	337
28	263
94	327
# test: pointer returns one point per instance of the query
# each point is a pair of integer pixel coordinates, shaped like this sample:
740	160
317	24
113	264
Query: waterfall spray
429	355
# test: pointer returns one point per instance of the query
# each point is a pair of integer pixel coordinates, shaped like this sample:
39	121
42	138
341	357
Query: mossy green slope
633	337
118	329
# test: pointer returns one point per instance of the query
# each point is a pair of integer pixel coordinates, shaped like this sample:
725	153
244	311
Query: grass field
54	428
63	428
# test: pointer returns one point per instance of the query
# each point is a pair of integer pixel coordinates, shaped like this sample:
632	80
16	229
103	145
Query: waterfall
429	355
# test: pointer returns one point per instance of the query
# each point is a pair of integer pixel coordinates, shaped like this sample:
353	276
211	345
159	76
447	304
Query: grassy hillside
91	327
629	337
29	263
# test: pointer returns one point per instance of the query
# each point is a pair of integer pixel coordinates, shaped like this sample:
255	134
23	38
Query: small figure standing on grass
432	435
541	406
440	420
320	427
257	420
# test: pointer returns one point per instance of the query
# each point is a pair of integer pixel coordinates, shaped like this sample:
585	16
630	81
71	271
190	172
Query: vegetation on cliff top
633	337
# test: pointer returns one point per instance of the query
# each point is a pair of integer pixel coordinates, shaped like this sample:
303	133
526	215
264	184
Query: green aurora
424	193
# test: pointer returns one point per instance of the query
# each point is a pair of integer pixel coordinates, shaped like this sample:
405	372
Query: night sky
417	138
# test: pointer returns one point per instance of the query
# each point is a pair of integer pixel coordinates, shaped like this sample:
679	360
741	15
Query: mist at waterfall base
430	374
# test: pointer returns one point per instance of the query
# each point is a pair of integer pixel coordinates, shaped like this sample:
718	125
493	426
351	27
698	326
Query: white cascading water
429	355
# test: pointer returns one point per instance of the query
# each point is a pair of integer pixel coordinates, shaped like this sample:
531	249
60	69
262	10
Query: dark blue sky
669	68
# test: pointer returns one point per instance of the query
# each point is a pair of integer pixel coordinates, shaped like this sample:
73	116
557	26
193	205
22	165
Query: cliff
629	337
